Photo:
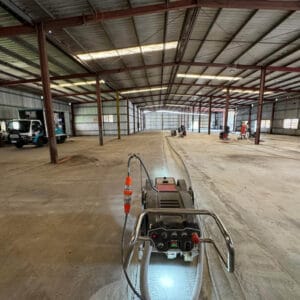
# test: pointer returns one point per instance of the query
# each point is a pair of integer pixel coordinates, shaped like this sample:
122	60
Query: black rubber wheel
191	192
145	226
181	184
144	198
40	142
60	139
45	140
19	145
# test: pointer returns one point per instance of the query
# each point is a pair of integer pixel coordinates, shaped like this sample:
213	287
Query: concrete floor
60	226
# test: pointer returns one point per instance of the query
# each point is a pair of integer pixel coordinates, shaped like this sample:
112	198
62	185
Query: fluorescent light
144	90
178	112
150	106
79	83
186	95
178	105
127	51
246	91
213	77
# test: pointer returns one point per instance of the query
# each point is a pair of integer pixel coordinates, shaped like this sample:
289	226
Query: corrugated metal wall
86	118
168	121
12	100
284	109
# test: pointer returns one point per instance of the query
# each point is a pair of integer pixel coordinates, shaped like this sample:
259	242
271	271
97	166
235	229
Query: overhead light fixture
91	82
179	112
178	105
144	90
212	77
183	95
246	91
128	51
150	106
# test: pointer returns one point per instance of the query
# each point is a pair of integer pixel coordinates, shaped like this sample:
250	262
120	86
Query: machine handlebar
228	262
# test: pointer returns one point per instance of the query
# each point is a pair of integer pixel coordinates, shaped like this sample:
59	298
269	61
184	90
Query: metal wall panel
284	109
11	101
168	121
86	118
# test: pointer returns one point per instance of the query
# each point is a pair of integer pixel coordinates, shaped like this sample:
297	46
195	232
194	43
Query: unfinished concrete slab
60	226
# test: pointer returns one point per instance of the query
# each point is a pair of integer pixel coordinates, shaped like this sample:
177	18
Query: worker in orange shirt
244	130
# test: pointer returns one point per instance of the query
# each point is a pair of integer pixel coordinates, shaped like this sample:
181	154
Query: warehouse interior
119	77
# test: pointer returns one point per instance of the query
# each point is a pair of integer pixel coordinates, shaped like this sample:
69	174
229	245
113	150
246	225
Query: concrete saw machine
168	226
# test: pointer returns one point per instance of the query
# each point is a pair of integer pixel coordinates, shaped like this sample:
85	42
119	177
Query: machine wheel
144	226
60	139
19	145
191	192
40	142
144	198
182	185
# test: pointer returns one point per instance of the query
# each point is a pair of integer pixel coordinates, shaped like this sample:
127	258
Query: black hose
123	262
125	221
144	167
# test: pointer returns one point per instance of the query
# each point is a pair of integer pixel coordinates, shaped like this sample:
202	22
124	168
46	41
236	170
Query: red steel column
128	120
133	119
73	120
47	94
272	117
193	118
199	120
209	115
249	118
99	109
260	104
226	108
118	114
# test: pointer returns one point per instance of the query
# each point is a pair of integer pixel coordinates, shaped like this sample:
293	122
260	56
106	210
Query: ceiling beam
150	9
136	68
183	84
199	97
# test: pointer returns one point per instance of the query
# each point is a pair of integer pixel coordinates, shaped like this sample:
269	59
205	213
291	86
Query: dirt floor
60	226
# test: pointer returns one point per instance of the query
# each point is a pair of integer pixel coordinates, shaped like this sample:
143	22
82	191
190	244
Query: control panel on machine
175	238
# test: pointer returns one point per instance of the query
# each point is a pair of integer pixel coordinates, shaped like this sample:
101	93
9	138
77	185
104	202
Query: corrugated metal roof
242	36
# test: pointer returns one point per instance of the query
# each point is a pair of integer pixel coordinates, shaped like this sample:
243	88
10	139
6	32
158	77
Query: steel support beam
199	120
209	116
272	117
118	114
99	110
234	122
193	118
133	118
47	94
260	104
187	84
145	67
128	119
138	119
226	108
220	87
144	122
73	120
249	118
